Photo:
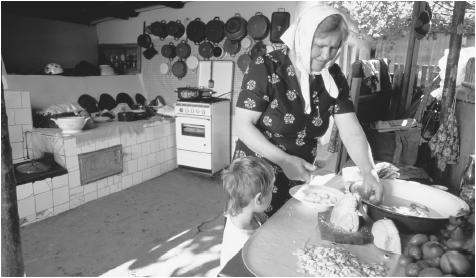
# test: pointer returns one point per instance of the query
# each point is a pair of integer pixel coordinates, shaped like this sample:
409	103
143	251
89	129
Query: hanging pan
232	47
196	31
192	63
144	40
244	61
183	50
168	51
215	30
179	69
218	52
159	29
235	28
206	49
164	68
150	52
175	29
258	26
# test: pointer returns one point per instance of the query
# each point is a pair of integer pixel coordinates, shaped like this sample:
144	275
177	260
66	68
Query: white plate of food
316	196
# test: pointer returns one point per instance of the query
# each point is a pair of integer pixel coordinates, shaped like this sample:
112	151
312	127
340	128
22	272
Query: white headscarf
299	37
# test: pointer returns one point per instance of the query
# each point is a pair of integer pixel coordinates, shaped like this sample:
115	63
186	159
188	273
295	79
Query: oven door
193	134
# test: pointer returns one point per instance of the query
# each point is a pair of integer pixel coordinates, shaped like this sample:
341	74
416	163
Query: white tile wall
18	108
146	156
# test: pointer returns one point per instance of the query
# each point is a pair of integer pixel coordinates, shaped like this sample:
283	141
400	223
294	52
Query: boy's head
248	180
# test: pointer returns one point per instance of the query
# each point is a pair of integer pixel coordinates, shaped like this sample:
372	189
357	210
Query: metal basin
32	167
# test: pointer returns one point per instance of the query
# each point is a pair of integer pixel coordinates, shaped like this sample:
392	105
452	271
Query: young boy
248	183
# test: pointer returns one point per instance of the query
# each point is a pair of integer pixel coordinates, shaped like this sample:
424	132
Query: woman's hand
296	168
371	189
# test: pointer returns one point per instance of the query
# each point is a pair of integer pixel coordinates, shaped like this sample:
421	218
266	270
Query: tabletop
270	251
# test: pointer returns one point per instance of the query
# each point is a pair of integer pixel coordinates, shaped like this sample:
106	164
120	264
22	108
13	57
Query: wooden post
12	259
411	60
449	87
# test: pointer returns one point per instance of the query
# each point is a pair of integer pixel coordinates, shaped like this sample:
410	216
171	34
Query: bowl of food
318	197
70	124
415	207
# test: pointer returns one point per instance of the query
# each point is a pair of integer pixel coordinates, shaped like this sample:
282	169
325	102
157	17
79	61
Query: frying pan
258	26
215	30
440	204
196	30
159	28
244	61
150	52
179	69
235	28
232	47
144	40
183	50
175	29
206	49
168	50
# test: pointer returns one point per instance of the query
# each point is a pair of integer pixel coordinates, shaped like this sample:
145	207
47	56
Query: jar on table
466	187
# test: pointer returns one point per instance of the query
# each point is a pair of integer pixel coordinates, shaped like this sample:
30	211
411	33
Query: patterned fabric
271	87
445	143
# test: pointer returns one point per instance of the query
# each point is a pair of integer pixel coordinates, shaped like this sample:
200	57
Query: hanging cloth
444	145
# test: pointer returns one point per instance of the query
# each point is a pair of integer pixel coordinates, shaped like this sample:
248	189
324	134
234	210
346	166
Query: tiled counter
148	148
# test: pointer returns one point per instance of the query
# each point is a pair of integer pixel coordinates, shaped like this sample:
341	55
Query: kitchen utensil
183	50
205	49
192	62
441	206
106	102
193	93
139	114
175	29
124	98
218	52
144	40
168	51
232	47
235	28
150	52
159	28
211	83
196	30
259	49
317	197
215	30
125	116
246	43
88	103
70	125
279	24
164	68
179	69
258	26
140	99
244	61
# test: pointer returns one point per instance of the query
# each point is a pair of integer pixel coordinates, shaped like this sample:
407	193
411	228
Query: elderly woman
287	98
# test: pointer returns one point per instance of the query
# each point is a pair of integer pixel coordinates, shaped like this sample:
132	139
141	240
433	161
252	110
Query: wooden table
269	252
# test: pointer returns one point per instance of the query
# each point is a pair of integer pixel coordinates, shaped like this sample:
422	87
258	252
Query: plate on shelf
316	196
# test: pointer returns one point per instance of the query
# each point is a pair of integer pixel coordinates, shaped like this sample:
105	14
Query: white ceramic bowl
71	124
317	197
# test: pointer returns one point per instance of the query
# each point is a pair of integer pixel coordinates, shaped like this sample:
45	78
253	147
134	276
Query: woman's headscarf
299	37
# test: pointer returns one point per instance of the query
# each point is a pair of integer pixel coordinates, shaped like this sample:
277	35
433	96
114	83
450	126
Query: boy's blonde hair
244	178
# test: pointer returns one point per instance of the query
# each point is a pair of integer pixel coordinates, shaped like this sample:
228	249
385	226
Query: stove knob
180	109
203	112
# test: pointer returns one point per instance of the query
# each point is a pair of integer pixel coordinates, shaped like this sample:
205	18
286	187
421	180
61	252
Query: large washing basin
32	167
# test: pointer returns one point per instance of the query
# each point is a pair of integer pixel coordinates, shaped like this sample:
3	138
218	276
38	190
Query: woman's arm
294	168
355	141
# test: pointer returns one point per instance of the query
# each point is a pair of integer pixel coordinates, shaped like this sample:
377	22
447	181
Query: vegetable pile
449	253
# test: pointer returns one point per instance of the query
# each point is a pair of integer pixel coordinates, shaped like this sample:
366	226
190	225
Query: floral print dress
270	86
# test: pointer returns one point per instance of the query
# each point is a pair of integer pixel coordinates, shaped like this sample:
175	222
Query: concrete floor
169	226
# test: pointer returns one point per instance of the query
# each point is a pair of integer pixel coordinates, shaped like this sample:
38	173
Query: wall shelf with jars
119	59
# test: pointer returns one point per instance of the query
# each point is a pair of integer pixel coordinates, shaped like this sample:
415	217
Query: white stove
203	127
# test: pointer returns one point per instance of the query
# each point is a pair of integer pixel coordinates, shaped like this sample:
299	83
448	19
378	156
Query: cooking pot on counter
439	204
193	93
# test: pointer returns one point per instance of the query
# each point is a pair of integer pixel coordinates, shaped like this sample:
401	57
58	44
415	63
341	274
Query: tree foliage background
390	19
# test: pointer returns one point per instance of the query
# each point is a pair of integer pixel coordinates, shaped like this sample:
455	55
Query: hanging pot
144	40
179	69
246	43
218	52
259	49
175	29
196	31
206	49
168	50
244	61
150	52
215	30
159	29
183	50
258	26
192	62
232	47
235	28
